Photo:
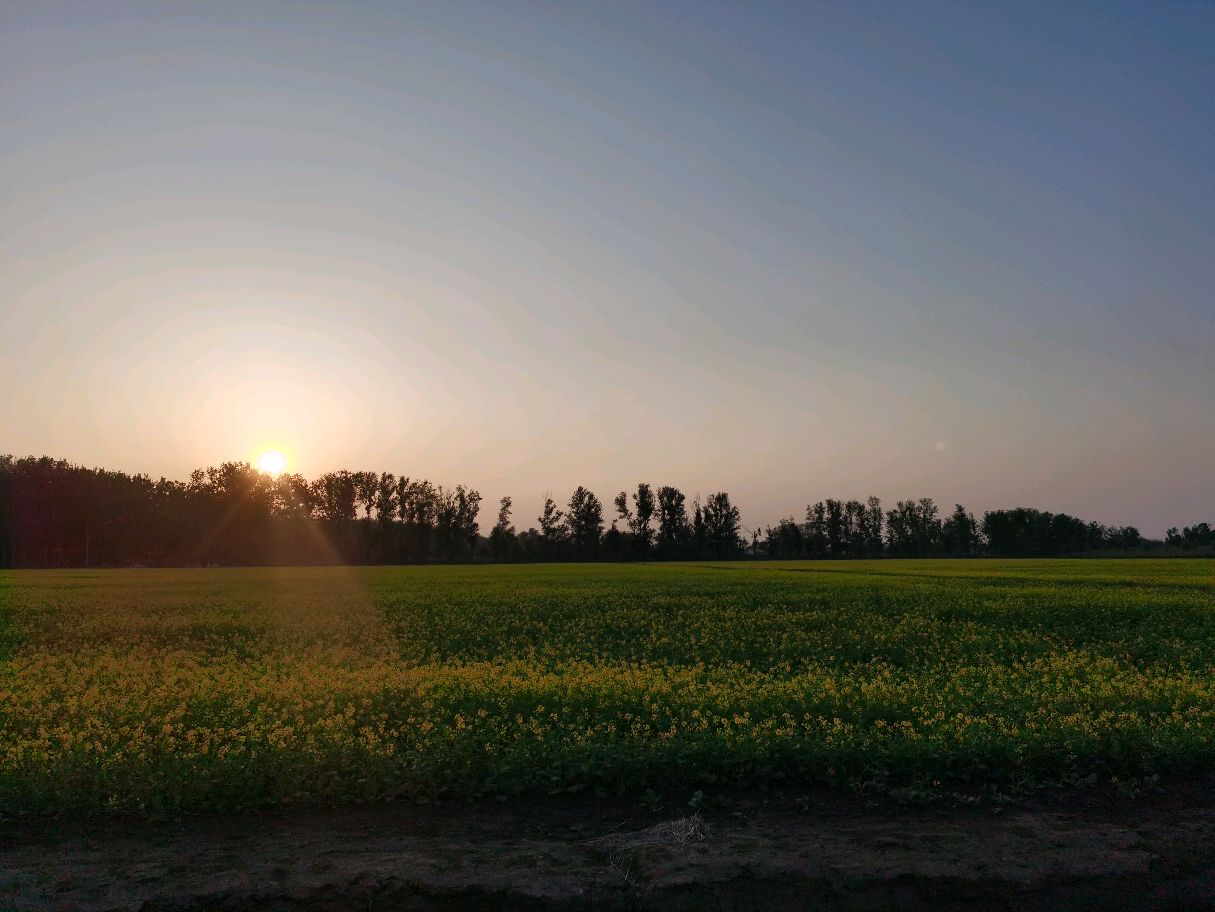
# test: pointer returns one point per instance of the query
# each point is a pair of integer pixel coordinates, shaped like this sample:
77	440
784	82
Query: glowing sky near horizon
789	251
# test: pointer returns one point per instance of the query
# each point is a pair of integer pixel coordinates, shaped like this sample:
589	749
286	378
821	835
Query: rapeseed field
157	692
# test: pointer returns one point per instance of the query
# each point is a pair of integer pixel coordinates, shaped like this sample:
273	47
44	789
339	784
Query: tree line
57	514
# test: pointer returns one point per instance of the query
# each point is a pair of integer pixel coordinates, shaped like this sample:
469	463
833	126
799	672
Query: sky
790	251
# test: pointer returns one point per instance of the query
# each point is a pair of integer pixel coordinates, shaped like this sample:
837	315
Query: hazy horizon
819	251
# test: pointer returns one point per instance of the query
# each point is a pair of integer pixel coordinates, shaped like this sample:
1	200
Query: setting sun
272	462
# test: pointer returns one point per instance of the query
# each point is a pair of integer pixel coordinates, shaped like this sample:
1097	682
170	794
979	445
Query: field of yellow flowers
164	691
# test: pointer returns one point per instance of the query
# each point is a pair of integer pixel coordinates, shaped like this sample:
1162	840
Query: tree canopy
56	514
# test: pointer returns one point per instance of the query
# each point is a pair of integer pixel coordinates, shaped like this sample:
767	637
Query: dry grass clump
679	832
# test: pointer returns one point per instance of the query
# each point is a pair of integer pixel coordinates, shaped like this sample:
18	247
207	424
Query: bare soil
743	852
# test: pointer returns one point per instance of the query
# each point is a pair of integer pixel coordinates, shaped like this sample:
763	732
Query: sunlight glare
272	462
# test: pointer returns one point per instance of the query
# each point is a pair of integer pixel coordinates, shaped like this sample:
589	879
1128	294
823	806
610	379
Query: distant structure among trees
55	514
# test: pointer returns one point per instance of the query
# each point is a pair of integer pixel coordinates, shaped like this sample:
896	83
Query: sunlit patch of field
163	691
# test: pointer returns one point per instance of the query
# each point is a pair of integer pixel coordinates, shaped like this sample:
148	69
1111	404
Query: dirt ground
766	852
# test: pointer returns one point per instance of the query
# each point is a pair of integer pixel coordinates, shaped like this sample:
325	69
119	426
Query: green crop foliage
160	692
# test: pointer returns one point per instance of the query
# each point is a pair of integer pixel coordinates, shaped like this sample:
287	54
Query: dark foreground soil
815	852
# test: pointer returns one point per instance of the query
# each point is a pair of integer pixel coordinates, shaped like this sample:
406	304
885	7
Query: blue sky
791	251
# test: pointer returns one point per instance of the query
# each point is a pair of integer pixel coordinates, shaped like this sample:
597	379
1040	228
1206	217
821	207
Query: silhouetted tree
1124	537
644	506
8	519
502	536
384	501
456	522
53	513
816	530
722	523
854	539
1025	532
700	535
872	527
835	528
585	521
784	540
418	503
234	502
553	531
623	514
638	518
334	496
366	488
293	497
912	528
530	545
1199	535
614	547
960	534
674	531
